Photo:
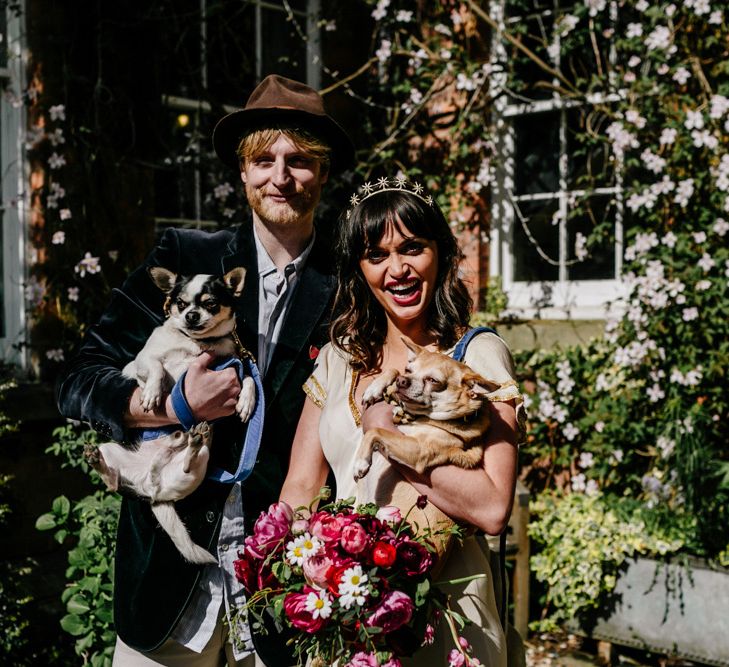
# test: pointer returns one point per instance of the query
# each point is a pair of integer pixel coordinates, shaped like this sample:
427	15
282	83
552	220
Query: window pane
588	158
3	36
2	278
231	64
529	265
283	51
176	182
536	159
178	27
526	77
600	217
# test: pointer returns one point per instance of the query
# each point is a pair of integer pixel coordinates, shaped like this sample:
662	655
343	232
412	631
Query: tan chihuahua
442	407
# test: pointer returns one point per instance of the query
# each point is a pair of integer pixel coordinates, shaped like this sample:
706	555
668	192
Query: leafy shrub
585	541
88	526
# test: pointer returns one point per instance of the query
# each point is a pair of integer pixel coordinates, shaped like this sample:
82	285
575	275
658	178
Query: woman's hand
378	415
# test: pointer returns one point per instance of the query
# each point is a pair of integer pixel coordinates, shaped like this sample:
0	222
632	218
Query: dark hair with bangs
359	324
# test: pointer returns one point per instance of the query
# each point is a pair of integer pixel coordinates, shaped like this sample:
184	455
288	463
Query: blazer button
210	516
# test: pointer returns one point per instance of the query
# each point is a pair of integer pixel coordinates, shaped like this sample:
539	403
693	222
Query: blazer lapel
242	252
310	301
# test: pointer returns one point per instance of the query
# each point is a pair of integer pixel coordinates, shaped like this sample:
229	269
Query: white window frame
194	106
563	298
13	167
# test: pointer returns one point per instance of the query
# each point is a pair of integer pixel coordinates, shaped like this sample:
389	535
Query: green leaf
46	522
77	605
74	625
61	507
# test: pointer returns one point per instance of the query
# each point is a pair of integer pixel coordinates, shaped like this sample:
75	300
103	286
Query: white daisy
354	581
301	548
319	604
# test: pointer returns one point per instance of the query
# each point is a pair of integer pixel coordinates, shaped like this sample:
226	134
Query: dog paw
150	398
92	454
246	399
361	468
199	435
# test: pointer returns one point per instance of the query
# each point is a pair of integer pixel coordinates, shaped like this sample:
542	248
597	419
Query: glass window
558	186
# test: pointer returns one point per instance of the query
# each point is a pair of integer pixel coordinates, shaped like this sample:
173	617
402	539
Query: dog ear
234	280
163	278
478	387
413	348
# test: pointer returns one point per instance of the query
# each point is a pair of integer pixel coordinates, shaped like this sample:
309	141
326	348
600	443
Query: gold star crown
397	184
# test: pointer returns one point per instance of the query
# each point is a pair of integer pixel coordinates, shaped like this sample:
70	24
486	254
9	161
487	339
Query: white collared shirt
218	584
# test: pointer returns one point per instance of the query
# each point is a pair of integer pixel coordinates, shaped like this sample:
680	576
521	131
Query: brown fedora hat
280	100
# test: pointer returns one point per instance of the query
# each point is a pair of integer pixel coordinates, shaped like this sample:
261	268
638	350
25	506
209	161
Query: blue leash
252	441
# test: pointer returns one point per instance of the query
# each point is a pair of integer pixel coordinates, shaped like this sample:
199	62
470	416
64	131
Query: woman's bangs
402	211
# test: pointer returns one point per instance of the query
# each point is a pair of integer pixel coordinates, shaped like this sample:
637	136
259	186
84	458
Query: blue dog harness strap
460	350
254	432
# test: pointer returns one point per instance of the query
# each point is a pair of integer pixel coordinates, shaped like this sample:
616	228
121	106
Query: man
167	611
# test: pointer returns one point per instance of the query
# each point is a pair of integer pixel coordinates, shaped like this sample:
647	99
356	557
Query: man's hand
210	394
378	415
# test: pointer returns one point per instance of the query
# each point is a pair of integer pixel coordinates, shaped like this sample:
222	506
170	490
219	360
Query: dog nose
193	317
403	382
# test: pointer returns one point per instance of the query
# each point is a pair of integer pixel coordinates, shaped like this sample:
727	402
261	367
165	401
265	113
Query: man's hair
359	323
257	141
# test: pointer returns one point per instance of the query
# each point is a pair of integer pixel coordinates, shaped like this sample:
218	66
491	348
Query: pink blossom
392	662
456	658
362	659
315	570
299	616
327	527
354	539
269	531
395	610
389	513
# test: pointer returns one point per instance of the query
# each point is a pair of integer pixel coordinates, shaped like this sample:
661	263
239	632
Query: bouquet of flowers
354	583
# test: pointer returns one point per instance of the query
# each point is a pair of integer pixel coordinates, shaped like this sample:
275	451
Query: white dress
332	386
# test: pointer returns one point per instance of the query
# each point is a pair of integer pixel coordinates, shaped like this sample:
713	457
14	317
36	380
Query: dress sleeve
316	385
489	356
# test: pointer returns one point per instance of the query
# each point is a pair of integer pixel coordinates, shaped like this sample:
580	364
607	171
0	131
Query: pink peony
327	527
389	513
315	570
270	530
354	539
362	659
392	662
396	609
298	615
414	558
299	527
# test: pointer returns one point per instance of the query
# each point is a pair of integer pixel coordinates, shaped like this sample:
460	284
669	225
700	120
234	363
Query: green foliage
88	526
585	541
13	599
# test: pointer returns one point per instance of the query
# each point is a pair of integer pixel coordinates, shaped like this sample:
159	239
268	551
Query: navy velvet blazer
152	582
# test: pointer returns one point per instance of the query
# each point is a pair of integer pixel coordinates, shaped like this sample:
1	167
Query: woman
398	276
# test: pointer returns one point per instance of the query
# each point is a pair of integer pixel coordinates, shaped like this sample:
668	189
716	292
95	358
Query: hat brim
233	127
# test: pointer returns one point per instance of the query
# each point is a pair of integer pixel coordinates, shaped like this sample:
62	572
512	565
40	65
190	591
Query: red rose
296	612
383	554
245	573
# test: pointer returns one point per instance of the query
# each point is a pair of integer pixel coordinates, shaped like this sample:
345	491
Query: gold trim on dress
352	402
315	399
